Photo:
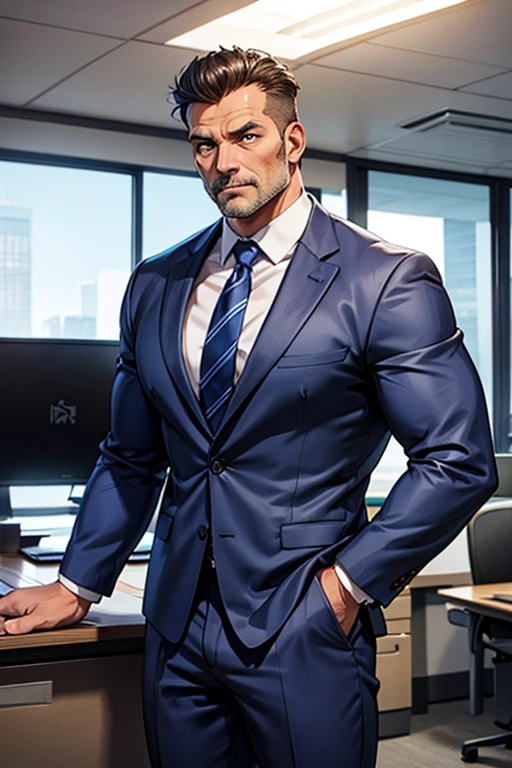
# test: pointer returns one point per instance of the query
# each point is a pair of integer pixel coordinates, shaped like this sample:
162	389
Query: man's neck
271	210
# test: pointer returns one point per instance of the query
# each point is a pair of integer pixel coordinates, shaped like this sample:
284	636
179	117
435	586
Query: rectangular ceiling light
287	28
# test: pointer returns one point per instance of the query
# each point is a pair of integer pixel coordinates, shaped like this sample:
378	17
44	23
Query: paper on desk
118	609
45	524
133	576
503	597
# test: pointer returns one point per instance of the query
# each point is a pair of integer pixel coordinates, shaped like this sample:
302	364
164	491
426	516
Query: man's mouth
232	186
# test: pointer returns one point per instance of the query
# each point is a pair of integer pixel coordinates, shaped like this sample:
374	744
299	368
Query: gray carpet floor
436	739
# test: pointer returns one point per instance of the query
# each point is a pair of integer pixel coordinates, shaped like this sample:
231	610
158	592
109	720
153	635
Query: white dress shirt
277	241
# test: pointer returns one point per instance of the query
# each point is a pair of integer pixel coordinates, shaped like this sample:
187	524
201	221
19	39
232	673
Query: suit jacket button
218	466
202	532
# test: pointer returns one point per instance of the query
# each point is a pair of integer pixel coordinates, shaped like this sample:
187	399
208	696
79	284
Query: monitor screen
54	408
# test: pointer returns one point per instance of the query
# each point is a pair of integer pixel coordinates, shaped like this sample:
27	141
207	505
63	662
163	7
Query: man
266	360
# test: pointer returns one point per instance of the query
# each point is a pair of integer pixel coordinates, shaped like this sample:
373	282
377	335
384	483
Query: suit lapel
180	283
306	281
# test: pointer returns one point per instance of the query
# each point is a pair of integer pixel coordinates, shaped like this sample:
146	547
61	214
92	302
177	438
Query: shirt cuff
357	593
87	594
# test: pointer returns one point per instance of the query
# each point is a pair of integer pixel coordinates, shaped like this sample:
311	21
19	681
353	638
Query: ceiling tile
197	15
480	32
499	86
482	105
28	63
502	170
130	84
450	142
411	158
121	18
408	65
345	111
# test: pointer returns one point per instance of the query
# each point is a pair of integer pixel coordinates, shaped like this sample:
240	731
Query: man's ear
295	142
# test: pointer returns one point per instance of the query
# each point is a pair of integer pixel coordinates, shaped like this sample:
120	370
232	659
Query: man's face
239	152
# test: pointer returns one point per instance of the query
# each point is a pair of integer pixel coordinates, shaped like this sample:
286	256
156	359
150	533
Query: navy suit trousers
306	698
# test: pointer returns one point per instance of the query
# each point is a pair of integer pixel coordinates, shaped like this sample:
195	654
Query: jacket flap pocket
318	534
163	526
318	358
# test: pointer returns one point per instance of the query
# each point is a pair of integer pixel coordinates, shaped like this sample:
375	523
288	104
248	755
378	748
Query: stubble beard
238	207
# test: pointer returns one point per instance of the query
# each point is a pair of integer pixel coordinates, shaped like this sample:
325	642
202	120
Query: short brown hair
208	79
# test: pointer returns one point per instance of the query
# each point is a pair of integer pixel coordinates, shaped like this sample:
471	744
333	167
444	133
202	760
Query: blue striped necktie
221	343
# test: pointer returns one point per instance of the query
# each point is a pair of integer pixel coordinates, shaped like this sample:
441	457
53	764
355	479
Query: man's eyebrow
200	137
250	126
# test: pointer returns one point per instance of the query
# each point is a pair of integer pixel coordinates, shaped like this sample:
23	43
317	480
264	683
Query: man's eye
248	137
204	147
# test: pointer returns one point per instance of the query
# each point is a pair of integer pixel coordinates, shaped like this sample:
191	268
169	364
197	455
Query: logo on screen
62	413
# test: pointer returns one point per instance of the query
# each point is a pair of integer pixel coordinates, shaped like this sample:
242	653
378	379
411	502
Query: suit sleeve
123	488
432	400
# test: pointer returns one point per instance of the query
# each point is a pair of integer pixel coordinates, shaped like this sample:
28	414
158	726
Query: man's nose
226	158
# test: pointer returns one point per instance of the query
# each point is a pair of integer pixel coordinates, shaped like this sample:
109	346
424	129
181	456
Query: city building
15	270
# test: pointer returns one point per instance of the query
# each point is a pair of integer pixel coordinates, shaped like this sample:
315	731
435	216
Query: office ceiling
106	59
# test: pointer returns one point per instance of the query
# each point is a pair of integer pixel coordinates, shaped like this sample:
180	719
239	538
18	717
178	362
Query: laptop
52	548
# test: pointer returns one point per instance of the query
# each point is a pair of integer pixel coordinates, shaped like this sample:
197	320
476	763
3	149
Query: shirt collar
277	238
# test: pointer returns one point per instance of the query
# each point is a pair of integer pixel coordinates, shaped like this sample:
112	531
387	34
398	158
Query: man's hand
344	606
48	607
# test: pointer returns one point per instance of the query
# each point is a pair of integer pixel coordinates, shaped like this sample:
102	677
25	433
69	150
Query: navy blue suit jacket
361	341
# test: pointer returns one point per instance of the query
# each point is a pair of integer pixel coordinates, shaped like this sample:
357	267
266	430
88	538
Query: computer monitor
504	466
54	410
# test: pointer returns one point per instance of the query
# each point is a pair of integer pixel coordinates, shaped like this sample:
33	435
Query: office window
449	221
175	206
335	201
65	251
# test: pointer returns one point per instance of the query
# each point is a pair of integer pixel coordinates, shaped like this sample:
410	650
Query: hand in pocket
344	607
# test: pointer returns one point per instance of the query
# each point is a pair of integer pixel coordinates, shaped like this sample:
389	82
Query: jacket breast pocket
318	358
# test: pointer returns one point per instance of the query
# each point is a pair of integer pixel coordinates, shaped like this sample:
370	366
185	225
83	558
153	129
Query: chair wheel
469	755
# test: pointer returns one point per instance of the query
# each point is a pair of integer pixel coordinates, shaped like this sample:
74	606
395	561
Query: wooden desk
478	599
72	696
116	618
